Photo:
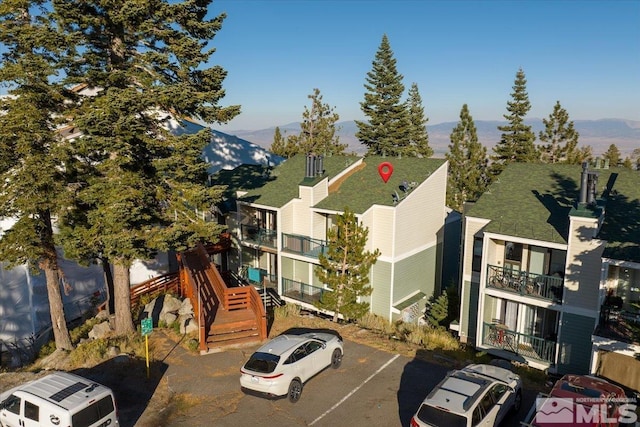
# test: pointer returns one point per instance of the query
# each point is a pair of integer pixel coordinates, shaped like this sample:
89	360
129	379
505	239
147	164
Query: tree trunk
122	298
58	321
108	281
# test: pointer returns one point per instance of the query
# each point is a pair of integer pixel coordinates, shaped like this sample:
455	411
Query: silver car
477	395
281	366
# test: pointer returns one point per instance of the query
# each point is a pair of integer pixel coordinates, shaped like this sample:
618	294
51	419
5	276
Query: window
312	346
298	354
513	255
93	413
31	411
12	404
497	391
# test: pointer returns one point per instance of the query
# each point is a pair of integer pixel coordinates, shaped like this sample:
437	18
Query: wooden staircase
227	316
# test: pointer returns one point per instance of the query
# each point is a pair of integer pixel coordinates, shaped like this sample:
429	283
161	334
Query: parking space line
354	390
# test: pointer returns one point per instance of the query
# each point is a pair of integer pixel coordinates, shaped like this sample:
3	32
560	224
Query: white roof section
226	151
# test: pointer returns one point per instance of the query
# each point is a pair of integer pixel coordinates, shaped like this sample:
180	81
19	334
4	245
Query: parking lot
371	388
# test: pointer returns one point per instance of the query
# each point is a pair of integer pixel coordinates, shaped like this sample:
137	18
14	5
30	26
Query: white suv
477	395
281	366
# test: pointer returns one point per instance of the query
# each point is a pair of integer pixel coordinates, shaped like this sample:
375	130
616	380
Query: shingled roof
534	201
359	190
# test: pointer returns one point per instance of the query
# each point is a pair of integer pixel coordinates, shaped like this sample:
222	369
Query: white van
60	399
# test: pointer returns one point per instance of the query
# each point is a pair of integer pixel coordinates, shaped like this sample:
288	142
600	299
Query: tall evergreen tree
385	132
418	138
345	268
517	140
144	184
559	135
281	146
318	128
32	153
468	170
613	155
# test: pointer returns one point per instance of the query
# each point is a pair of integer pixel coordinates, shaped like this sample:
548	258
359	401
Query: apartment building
544	250
282	216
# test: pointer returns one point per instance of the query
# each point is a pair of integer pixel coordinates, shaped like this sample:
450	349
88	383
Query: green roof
534	201
359	190
365	188
282	184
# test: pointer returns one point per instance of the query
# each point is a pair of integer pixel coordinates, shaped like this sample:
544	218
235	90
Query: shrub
287	310
89	353
83	330
376	323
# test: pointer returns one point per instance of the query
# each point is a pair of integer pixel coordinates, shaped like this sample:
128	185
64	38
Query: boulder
168	318
171	305
100	330
186	307
187	324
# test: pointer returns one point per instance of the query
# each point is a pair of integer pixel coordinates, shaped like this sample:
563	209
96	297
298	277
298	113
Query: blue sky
585	54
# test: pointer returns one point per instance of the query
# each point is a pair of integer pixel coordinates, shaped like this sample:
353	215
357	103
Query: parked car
574	395
477	395
281	366
58	399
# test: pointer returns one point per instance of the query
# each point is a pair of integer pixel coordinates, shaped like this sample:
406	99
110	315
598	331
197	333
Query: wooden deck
226	315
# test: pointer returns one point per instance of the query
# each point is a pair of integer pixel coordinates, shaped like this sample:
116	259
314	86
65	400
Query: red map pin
385	169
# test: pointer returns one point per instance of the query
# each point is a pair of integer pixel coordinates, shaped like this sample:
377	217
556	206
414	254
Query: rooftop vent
588	185
314	166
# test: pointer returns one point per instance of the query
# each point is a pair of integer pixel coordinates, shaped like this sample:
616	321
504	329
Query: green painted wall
416	272
575	344
380	298
286	268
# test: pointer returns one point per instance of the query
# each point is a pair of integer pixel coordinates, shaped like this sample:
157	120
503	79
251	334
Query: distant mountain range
599	134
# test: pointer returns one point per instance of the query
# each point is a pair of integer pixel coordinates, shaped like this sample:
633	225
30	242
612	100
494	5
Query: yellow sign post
147	327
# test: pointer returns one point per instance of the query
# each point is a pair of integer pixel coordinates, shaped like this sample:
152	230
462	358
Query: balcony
528	346
527	284
303	245
301	291
258	236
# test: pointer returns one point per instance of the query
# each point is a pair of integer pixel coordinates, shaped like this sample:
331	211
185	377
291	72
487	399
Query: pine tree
517	141
345	268
32	153
386	131
436	310
580	155
613	155
560	137
418	138
142	185
318	129
468	170
279	145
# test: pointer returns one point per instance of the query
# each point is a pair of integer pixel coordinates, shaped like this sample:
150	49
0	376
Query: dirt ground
149	400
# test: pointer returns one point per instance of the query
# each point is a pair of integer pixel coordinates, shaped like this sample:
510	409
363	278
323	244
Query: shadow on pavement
127	377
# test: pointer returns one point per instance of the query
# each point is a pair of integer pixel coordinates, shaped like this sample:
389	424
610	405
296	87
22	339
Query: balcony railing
524	283
303	245
301	291
258	236
259	277
532	347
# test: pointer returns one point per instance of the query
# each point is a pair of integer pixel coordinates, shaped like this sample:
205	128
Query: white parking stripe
354	390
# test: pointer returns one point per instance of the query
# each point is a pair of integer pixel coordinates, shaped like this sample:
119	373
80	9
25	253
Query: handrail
161	284
302	291
258	235
498	336
303	245
525	283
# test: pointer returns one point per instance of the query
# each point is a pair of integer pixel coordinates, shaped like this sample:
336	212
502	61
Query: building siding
414	273
380	299
575	344
380	221
584	261
420	215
